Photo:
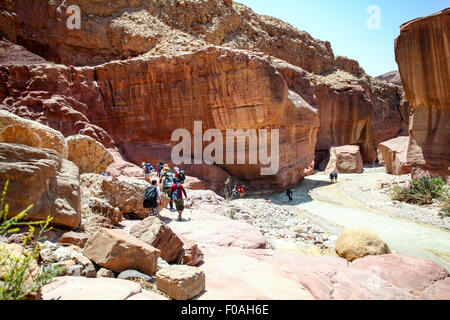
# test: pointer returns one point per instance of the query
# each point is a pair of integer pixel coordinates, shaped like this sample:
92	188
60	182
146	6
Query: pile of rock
141	256
104	194
276	222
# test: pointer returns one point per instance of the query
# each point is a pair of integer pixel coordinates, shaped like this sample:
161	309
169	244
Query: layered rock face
141	102
423	58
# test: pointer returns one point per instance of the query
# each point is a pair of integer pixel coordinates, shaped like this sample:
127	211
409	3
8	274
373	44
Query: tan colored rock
21	135
88	154
51	184
423	66
31	133
394	154
80	288
113	216
88	267
76	238
104	194
356	243
105	273
117	250
12	253
157	234
181	282
147	295
191	254
346	159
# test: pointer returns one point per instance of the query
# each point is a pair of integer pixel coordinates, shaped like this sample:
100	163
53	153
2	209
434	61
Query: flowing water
402	236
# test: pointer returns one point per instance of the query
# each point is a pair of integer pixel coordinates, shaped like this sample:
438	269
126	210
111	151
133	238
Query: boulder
88	268
127	194
15	129
51	184
191	254
394	154
88	154
80	288
346	159
356	243
76	238
105	273
117	250
157	234
97	206
20	134
181	282
133	275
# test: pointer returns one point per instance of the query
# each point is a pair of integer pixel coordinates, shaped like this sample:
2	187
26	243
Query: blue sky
344	24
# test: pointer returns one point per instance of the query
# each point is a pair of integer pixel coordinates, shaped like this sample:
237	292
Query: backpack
182	176
148	168
150	197
168	181
176	193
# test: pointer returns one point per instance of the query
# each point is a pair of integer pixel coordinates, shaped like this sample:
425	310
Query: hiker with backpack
335	175
159	168
167	181
177	191
289	194
147	169
151	196
179	175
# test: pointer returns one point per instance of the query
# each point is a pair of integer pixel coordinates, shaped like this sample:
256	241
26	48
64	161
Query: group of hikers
333	176
171	183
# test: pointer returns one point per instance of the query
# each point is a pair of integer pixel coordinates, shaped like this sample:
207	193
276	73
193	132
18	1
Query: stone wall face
423	57
138	103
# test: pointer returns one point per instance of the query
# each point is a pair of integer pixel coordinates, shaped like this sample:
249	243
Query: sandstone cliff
423	58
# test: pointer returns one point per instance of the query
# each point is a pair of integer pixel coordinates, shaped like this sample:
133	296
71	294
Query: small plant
233	214
424	191
445	201
227	190
421	191
18	280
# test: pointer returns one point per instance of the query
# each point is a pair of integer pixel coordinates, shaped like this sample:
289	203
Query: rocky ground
285	227
372	190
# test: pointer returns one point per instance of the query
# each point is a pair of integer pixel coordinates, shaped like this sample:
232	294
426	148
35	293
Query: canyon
82	106
240	71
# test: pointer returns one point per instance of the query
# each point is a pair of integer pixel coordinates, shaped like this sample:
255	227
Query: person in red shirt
241	191
177	191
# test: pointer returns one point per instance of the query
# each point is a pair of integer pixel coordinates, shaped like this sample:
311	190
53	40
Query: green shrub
17	282
445	201
421	191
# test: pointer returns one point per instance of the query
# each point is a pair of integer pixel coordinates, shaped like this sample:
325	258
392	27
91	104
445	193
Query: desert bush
445	203
17	279
420	191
